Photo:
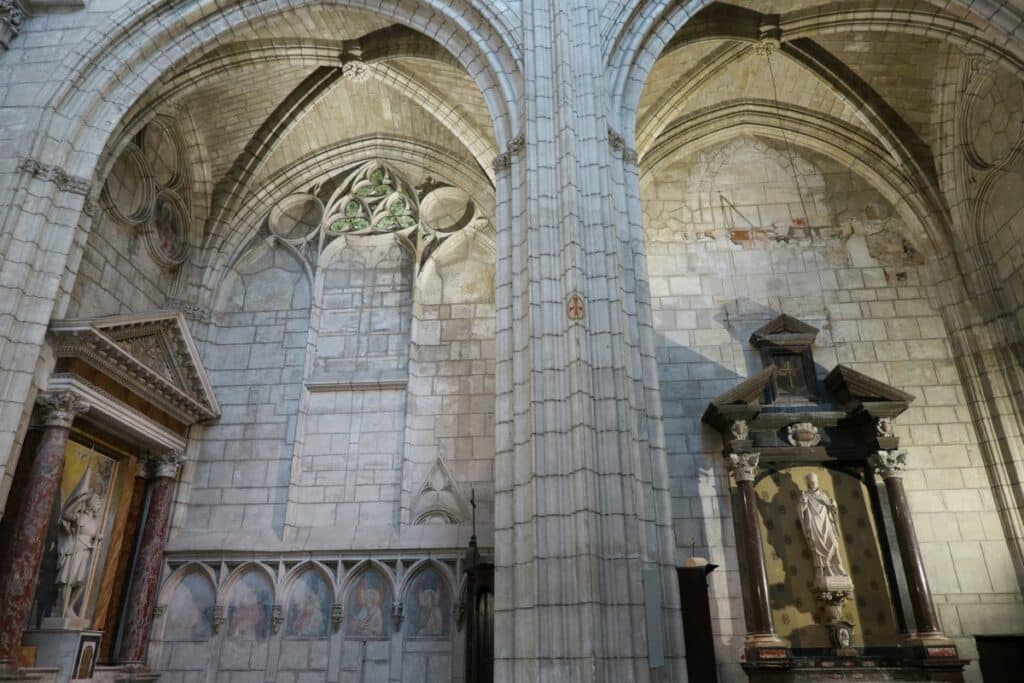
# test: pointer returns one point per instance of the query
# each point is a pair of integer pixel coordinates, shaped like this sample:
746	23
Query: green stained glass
407	221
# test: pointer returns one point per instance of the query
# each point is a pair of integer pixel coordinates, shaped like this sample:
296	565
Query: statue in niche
819	521
79	534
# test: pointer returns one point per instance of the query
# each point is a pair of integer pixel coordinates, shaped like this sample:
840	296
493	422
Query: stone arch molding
845	144
638	32
135	47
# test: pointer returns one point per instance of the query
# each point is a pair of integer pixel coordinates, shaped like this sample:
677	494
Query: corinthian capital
60	410
744	465
889	464
164	464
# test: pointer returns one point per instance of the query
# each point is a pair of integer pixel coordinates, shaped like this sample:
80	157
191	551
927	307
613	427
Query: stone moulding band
64	181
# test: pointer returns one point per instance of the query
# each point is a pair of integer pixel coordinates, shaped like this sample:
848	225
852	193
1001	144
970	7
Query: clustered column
890	465
162	474
21	567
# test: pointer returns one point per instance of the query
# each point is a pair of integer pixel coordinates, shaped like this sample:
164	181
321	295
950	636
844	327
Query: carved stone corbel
337	615
397	614
11	21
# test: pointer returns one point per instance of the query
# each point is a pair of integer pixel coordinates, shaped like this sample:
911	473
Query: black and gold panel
798	613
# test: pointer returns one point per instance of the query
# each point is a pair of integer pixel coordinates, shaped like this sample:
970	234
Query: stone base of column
766	650
931	646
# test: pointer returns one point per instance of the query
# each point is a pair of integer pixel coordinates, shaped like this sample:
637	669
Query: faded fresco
308	611
190	612
366	606
428	606
249	607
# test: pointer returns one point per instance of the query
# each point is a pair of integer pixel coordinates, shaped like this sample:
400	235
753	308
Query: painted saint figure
431	619
819	521
369	620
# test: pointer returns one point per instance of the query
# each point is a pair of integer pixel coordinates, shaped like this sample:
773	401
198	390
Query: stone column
163	473
585	583
890	465
21	566
761	629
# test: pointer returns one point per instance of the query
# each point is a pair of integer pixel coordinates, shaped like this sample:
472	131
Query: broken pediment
855	391
152	355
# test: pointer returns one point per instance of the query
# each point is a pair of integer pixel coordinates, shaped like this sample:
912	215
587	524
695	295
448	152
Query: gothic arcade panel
366	607
190	612
308	611
797	611
248	612
428	606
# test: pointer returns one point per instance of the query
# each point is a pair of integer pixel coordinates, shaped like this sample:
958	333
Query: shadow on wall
703	512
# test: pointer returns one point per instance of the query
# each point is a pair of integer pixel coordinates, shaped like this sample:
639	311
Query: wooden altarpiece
783	431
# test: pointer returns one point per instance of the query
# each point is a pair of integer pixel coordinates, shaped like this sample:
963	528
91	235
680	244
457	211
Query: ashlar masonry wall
744	230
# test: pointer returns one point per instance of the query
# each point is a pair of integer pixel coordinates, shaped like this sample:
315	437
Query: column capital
61	409
164	464
889	464
744	465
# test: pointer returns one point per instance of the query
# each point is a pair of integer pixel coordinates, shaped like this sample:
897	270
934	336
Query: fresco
428	609
366	606
308	611
190	612
249	607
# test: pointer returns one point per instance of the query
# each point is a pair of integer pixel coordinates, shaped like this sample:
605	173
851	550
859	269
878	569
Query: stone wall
744	230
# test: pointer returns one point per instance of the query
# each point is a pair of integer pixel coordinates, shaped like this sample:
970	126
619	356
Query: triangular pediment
855	390
153	355
784	327
740	402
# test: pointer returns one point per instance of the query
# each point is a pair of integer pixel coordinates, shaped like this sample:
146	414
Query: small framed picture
88	652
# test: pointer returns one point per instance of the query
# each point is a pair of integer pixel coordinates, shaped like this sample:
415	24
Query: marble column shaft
21	566
744	467
890	465
146	572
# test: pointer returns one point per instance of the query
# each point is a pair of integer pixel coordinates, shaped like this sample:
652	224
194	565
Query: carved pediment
152	355
438	500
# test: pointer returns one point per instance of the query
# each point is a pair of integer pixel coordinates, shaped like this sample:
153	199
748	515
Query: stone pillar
21	566
145	578
585	583
890	465
761	629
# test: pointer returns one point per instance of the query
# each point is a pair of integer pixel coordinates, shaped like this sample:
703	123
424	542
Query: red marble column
890	465
20	570
762	645
163	472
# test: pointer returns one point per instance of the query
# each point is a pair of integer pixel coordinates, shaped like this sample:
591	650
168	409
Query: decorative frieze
64	181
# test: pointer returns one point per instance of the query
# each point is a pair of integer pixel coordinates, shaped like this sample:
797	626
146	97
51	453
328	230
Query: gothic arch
224	247
639	31
818	132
